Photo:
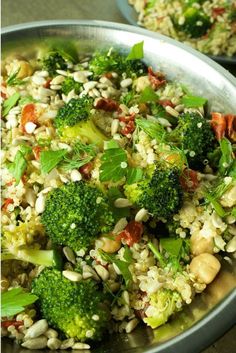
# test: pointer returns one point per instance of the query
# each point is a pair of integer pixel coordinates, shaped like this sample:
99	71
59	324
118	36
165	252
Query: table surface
19	11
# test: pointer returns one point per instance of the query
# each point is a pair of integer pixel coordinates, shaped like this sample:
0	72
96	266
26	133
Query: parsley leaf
148	95
172	246
14	301
10	103
136	52
151	128
18	166
114	163
27	99
193	101
50	159
122	266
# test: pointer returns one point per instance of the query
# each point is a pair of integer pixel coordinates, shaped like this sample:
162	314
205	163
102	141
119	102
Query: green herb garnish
50	159
193	101
13	80
226	159
114	163
9	103
122	266
15	300
81	155
151	128
19	165
148	95
136	52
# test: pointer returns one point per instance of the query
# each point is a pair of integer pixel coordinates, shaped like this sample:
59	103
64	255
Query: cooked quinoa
208	26
132	209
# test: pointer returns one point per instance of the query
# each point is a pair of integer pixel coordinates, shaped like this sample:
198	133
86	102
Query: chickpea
108	245
199	244
25	69
141	83
205	267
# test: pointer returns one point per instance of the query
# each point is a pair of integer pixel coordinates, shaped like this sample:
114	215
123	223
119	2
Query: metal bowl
213	312
130	14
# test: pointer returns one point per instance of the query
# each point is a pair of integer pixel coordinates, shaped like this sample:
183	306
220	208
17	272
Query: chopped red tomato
7	202
107	104
28	115
36	151
224	125
11	323
156	79
218	125
128	129
231	126
189	180
166	103
3	94
108	75
24	179
85	170
47	83
126	119
132	233
217	11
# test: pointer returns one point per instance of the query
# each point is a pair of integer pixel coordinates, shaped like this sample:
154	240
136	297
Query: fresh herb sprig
122	265
19	165
15	300
80	155
9	103
114	165
13	80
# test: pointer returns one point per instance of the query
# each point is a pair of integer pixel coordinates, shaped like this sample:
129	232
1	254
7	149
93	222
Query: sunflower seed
37	329
72	275
35	343
53	343
131	325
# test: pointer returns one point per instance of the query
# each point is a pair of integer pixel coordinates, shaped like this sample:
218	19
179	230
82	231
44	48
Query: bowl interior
215	307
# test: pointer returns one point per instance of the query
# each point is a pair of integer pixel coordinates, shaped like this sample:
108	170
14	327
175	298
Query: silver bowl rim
222	316
121	26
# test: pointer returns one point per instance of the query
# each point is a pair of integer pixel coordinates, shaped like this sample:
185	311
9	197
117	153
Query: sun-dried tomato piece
132	233
107	104
156	79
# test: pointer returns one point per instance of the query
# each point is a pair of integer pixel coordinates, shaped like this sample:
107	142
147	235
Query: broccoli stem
49	258
86	130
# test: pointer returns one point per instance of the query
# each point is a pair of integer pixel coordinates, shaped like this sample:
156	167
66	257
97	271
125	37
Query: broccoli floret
54	62
70	84
195	136
163	303
73	121
75	214
75	308
160	193
17	246
113	61
196	22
